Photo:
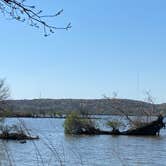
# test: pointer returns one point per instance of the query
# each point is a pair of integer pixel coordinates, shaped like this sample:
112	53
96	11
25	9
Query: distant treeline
61	107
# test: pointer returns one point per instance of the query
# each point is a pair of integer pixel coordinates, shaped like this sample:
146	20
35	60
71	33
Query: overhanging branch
35	17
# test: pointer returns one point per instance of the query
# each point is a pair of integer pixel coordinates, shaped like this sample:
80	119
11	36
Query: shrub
75	124
114	124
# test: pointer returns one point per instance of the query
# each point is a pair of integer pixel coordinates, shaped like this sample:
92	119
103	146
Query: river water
54	148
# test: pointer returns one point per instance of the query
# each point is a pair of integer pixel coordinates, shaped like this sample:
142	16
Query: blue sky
110	44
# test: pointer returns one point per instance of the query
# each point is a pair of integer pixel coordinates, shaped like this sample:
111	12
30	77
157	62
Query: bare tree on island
16	131
20	11
4	90
4	93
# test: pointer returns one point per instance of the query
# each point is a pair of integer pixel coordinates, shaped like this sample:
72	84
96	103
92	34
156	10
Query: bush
114	124
75	124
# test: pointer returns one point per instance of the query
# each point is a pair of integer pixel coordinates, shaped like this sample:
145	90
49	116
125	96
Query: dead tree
149	98
20	11
139	120
117	107
4	90
4	93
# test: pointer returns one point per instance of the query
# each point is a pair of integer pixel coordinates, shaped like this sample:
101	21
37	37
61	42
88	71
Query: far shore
94	116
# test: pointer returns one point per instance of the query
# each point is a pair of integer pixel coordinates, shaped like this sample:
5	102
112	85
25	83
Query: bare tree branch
4	90
4	94
19	11
116	107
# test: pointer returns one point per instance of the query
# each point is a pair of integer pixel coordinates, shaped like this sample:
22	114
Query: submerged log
17	136
152	128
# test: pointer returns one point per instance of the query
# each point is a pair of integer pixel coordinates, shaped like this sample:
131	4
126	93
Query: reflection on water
4	154
54	148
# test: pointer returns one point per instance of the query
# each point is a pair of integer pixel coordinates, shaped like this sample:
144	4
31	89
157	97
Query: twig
22	12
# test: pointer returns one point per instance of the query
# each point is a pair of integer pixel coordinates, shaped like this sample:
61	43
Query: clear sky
114	45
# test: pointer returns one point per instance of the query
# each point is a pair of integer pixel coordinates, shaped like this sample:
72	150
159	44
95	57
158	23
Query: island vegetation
75	124
16	131
144	124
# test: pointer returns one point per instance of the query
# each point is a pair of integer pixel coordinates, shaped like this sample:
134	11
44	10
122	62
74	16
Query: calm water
54	148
